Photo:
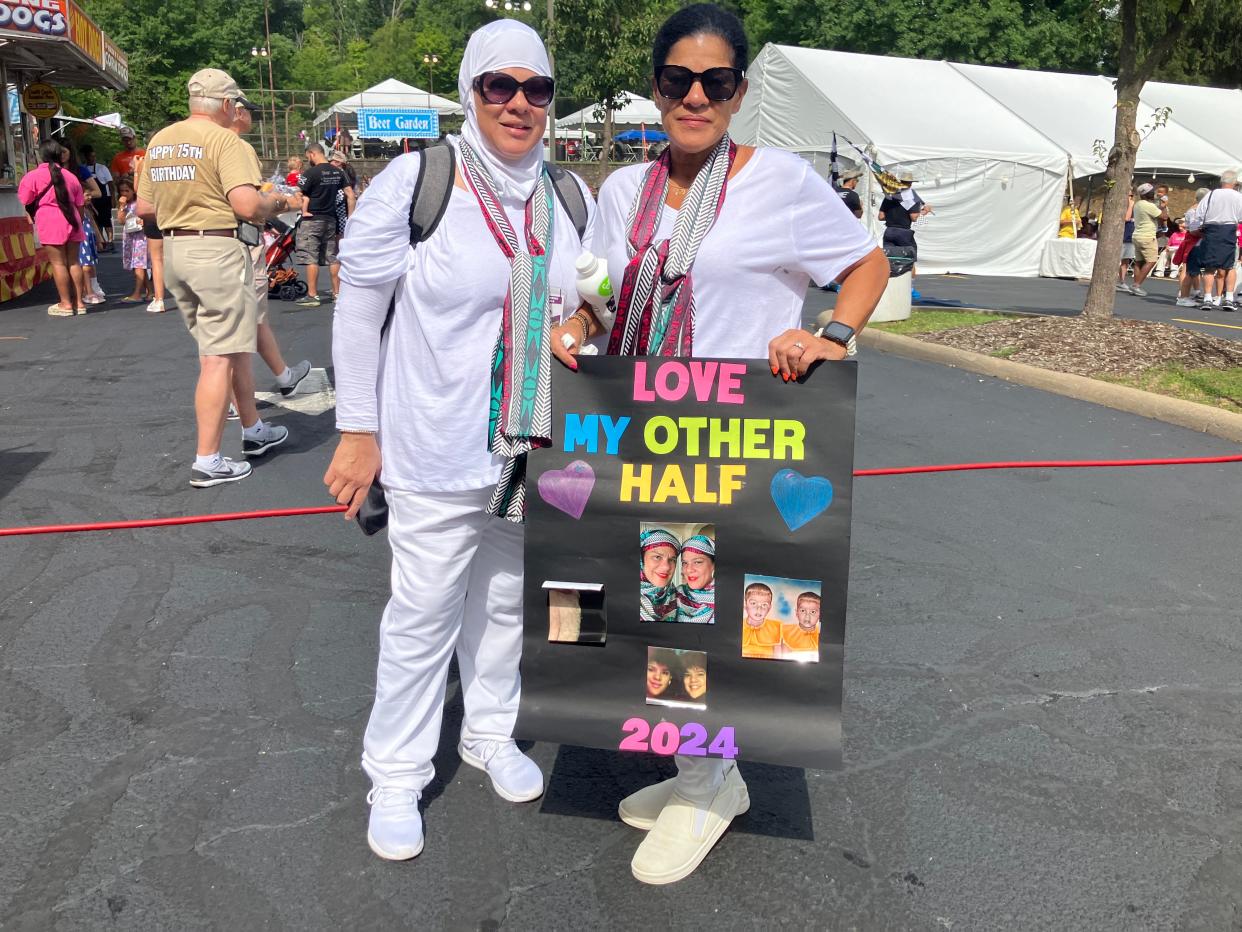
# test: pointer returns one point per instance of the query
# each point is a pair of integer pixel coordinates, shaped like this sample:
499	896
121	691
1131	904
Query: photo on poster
780	618
676	678
677	572
576	612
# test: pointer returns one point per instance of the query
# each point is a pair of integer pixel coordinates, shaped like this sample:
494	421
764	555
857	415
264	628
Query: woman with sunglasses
714	245
453	428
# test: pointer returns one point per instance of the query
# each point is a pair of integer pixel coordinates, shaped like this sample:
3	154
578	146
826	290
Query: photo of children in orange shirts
800	638
780	618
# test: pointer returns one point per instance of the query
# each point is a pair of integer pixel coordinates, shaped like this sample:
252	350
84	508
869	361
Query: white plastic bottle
595	289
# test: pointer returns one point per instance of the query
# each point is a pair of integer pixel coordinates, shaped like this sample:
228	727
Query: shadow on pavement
15	466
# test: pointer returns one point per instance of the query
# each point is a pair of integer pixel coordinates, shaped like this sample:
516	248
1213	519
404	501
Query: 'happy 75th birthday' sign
687	556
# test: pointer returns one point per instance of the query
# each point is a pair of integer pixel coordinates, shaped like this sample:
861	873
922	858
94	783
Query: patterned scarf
696	606
656	603
660	321
520	412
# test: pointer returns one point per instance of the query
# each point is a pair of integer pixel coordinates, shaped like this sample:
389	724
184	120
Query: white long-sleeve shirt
426	386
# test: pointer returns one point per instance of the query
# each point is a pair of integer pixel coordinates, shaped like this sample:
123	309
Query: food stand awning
58	42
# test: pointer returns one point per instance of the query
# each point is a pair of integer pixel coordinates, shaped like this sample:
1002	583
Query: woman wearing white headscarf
454	393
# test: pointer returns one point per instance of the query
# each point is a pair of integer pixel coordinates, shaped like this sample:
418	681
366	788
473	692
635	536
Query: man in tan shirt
196	181
287	378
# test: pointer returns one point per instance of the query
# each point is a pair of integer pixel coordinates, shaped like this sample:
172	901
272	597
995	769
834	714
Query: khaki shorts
212	278
1146	250
258	255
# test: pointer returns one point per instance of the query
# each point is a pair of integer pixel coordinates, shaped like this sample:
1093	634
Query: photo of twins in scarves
677	572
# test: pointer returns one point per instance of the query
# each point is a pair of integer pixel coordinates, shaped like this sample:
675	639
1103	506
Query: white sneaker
1136	290
515	776
156	307
1186	302
684	833
1123	286
395	829
97	289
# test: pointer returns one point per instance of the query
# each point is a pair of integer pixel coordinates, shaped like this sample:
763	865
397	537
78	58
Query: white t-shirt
427	388
102	175
1224	205
781	226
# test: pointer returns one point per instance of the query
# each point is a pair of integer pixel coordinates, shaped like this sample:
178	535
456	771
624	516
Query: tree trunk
605	141
1102	294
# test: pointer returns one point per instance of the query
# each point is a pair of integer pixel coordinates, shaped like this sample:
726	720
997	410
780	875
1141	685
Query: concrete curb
1202	418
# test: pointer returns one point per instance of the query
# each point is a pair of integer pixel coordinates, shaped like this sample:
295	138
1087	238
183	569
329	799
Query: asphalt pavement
1060	297
1041	710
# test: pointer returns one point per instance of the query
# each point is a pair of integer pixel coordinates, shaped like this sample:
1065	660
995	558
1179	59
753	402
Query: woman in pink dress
57	199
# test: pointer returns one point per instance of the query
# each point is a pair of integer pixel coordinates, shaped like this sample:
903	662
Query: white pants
456	585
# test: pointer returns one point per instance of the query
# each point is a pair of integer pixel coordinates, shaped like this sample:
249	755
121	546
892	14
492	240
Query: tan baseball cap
850	174
214	83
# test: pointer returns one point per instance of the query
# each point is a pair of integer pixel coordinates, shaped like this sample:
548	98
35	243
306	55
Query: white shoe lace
387	795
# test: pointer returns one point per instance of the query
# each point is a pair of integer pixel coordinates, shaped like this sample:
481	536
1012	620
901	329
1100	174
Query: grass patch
931	321
1005	352
1221	388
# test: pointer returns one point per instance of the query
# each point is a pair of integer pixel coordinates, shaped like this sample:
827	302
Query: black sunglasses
674	82
496	87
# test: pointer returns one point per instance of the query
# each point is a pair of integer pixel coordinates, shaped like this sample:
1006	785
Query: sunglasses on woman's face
496	87
719	84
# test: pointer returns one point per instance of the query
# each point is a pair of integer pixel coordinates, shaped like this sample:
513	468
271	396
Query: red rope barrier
337	509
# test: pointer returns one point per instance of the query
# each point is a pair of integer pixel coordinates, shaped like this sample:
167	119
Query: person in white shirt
1218	220
1190	286
419	391
765	225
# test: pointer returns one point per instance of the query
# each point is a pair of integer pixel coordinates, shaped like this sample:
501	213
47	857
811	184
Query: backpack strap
437	172
569	193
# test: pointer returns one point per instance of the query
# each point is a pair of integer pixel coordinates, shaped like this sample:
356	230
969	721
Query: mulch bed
1084	346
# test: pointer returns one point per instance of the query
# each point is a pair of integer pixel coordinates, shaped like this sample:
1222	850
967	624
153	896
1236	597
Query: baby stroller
282	277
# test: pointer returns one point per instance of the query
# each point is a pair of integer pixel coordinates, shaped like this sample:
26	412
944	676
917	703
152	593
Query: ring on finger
800	346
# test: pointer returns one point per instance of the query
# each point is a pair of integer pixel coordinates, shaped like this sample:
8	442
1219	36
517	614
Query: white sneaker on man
395	829
514	776
1186	302
684	833
1136	290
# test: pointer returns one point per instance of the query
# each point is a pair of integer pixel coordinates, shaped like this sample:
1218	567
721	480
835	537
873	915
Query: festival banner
37	17
687	557
115	61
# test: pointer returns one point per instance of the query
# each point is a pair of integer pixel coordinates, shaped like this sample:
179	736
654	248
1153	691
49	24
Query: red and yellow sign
37	17
85	34
22	264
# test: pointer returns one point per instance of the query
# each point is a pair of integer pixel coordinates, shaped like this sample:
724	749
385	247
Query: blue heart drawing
800	498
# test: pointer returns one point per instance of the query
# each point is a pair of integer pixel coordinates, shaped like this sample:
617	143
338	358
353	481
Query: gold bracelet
365	433
586	327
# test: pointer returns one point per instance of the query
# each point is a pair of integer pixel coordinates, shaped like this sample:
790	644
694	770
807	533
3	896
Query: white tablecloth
1067	258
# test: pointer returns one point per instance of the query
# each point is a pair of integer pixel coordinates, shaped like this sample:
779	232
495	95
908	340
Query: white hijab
505	43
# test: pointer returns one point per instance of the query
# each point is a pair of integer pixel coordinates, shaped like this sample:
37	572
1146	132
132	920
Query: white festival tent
990	148
638	112
388	93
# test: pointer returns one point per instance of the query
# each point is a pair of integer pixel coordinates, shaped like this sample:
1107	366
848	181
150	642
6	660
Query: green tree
603	49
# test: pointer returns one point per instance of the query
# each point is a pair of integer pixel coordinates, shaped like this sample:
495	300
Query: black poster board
758	471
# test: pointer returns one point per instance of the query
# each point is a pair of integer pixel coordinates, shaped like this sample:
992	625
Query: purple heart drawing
568	489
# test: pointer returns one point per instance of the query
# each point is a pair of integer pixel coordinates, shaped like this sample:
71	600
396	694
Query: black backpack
437	173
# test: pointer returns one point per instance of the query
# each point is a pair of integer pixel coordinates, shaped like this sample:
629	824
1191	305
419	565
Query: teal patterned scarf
520	412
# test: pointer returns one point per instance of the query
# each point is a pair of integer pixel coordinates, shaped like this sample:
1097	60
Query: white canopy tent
389	93
1076	110
994	182
990	148
638	112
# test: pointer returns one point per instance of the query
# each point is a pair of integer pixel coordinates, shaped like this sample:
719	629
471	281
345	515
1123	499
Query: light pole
271	80
431	61
260	55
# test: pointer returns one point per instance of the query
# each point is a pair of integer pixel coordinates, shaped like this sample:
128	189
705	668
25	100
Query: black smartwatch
839	333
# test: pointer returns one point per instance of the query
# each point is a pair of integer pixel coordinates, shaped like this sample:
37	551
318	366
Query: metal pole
552	62
271	81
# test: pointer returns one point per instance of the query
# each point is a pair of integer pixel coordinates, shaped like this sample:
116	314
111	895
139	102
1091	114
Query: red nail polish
776	371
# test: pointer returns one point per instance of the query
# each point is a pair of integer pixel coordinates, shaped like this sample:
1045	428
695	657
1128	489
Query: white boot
685	832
